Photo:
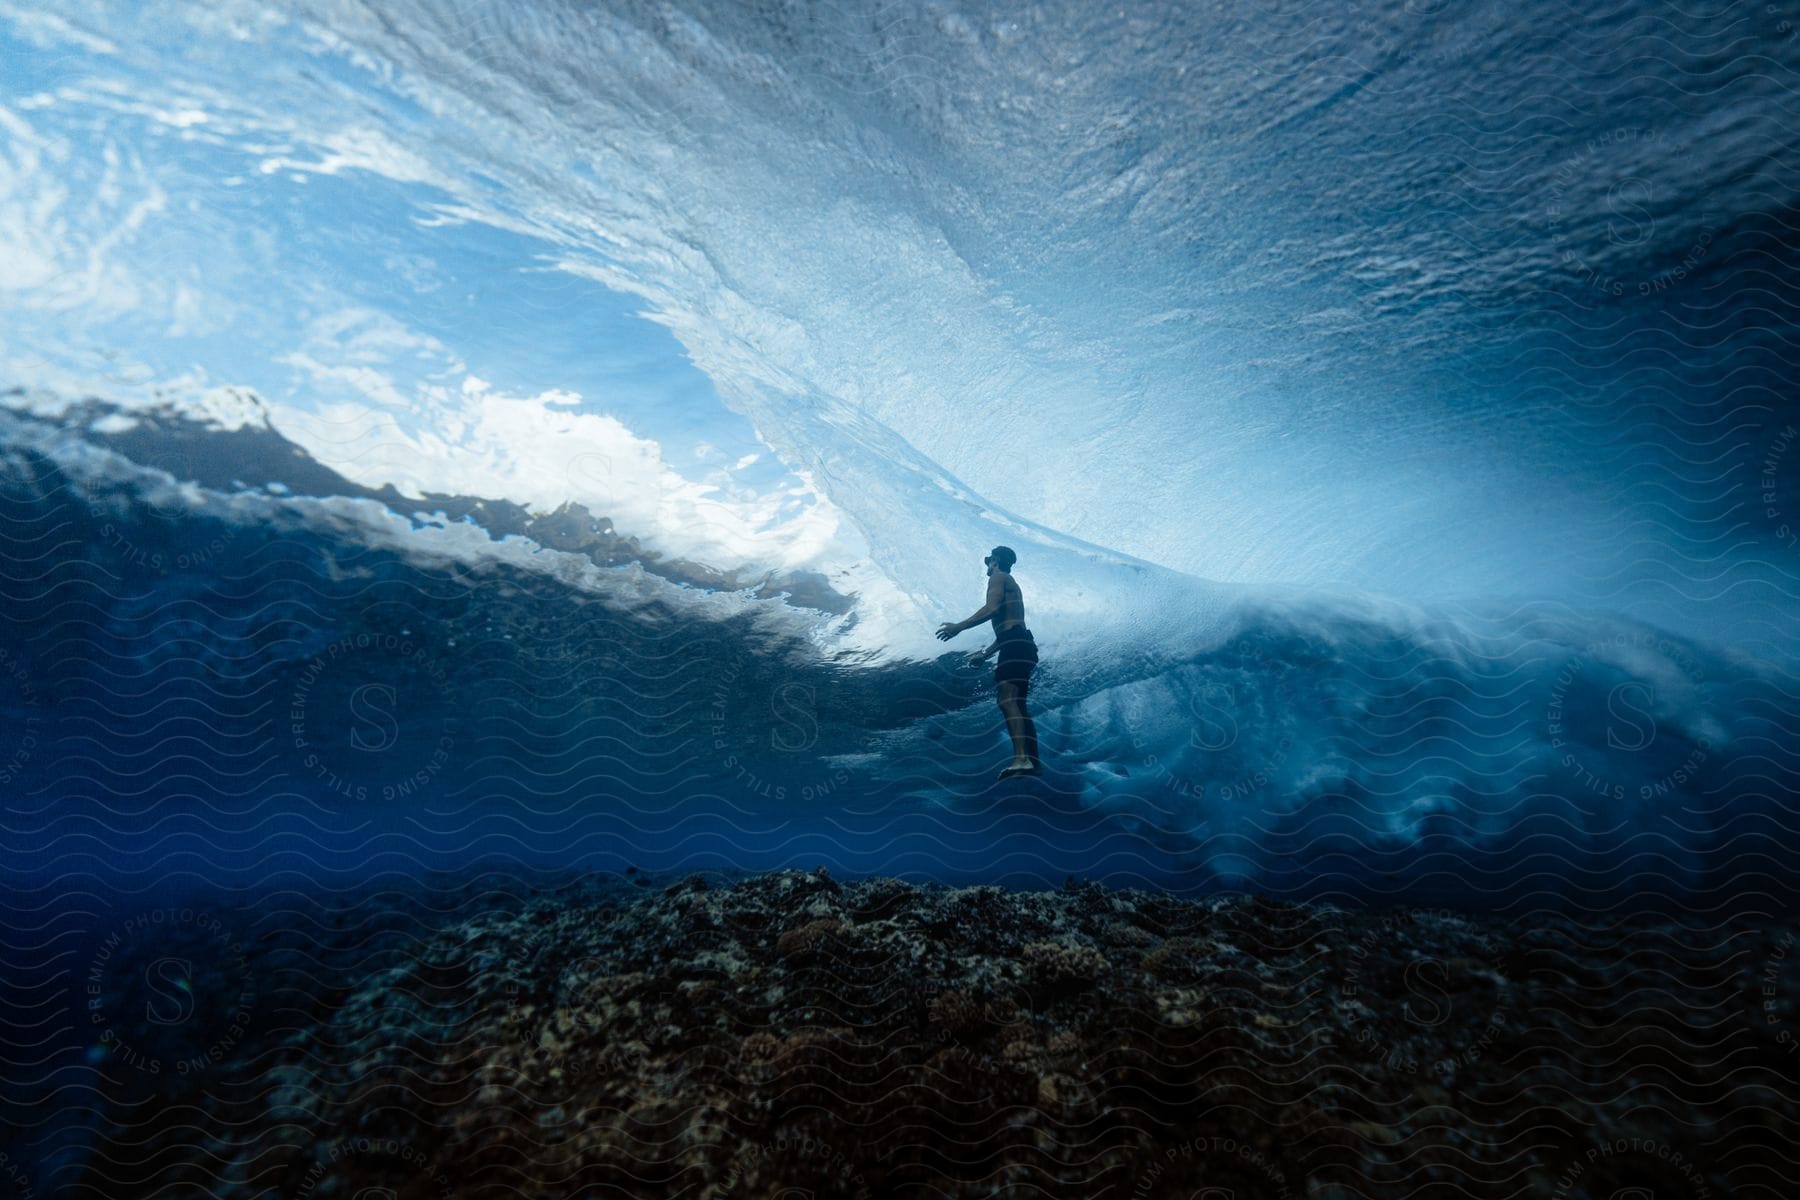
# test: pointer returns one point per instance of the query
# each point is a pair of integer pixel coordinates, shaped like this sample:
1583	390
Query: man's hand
948	630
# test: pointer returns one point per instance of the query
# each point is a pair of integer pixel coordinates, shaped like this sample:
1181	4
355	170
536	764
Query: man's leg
1028	731
1012	707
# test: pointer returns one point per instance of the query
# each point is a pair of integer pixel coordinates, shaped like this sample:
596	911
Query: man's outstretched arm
996	596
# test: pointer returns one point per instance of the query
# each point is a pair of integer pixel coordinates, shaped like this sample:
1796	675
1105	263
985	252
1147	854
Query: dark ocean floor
788	1035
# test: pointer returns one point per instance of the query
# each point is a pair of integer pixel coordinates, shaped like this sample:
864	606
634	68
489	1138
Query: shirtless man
1005	607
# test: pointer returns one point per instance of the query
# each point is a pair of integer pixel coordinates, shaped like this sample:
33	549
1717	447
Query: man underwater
1005	607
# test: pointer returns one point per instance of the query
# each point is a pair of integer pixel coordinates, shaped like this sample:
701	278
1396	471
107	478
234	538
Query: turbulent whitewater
269	680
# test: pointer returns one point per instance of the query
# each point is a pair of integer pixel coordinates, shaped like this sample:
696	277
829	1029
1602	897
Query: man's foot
1019	766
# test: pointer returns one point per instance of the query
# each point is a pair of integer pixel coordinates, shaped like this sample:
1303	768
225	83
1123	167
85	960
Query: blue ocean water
540	439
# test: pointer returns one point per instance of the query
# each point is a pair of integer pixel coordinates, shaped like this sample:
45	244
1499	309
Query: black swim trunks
1017	655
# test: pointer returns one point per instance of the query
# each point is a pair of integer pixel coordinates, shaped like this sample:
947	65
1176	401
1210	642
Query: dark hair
1002	557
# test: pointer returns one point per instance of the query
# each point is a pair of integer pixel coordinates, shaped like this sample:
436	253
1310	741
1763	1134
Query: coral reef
788	1035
